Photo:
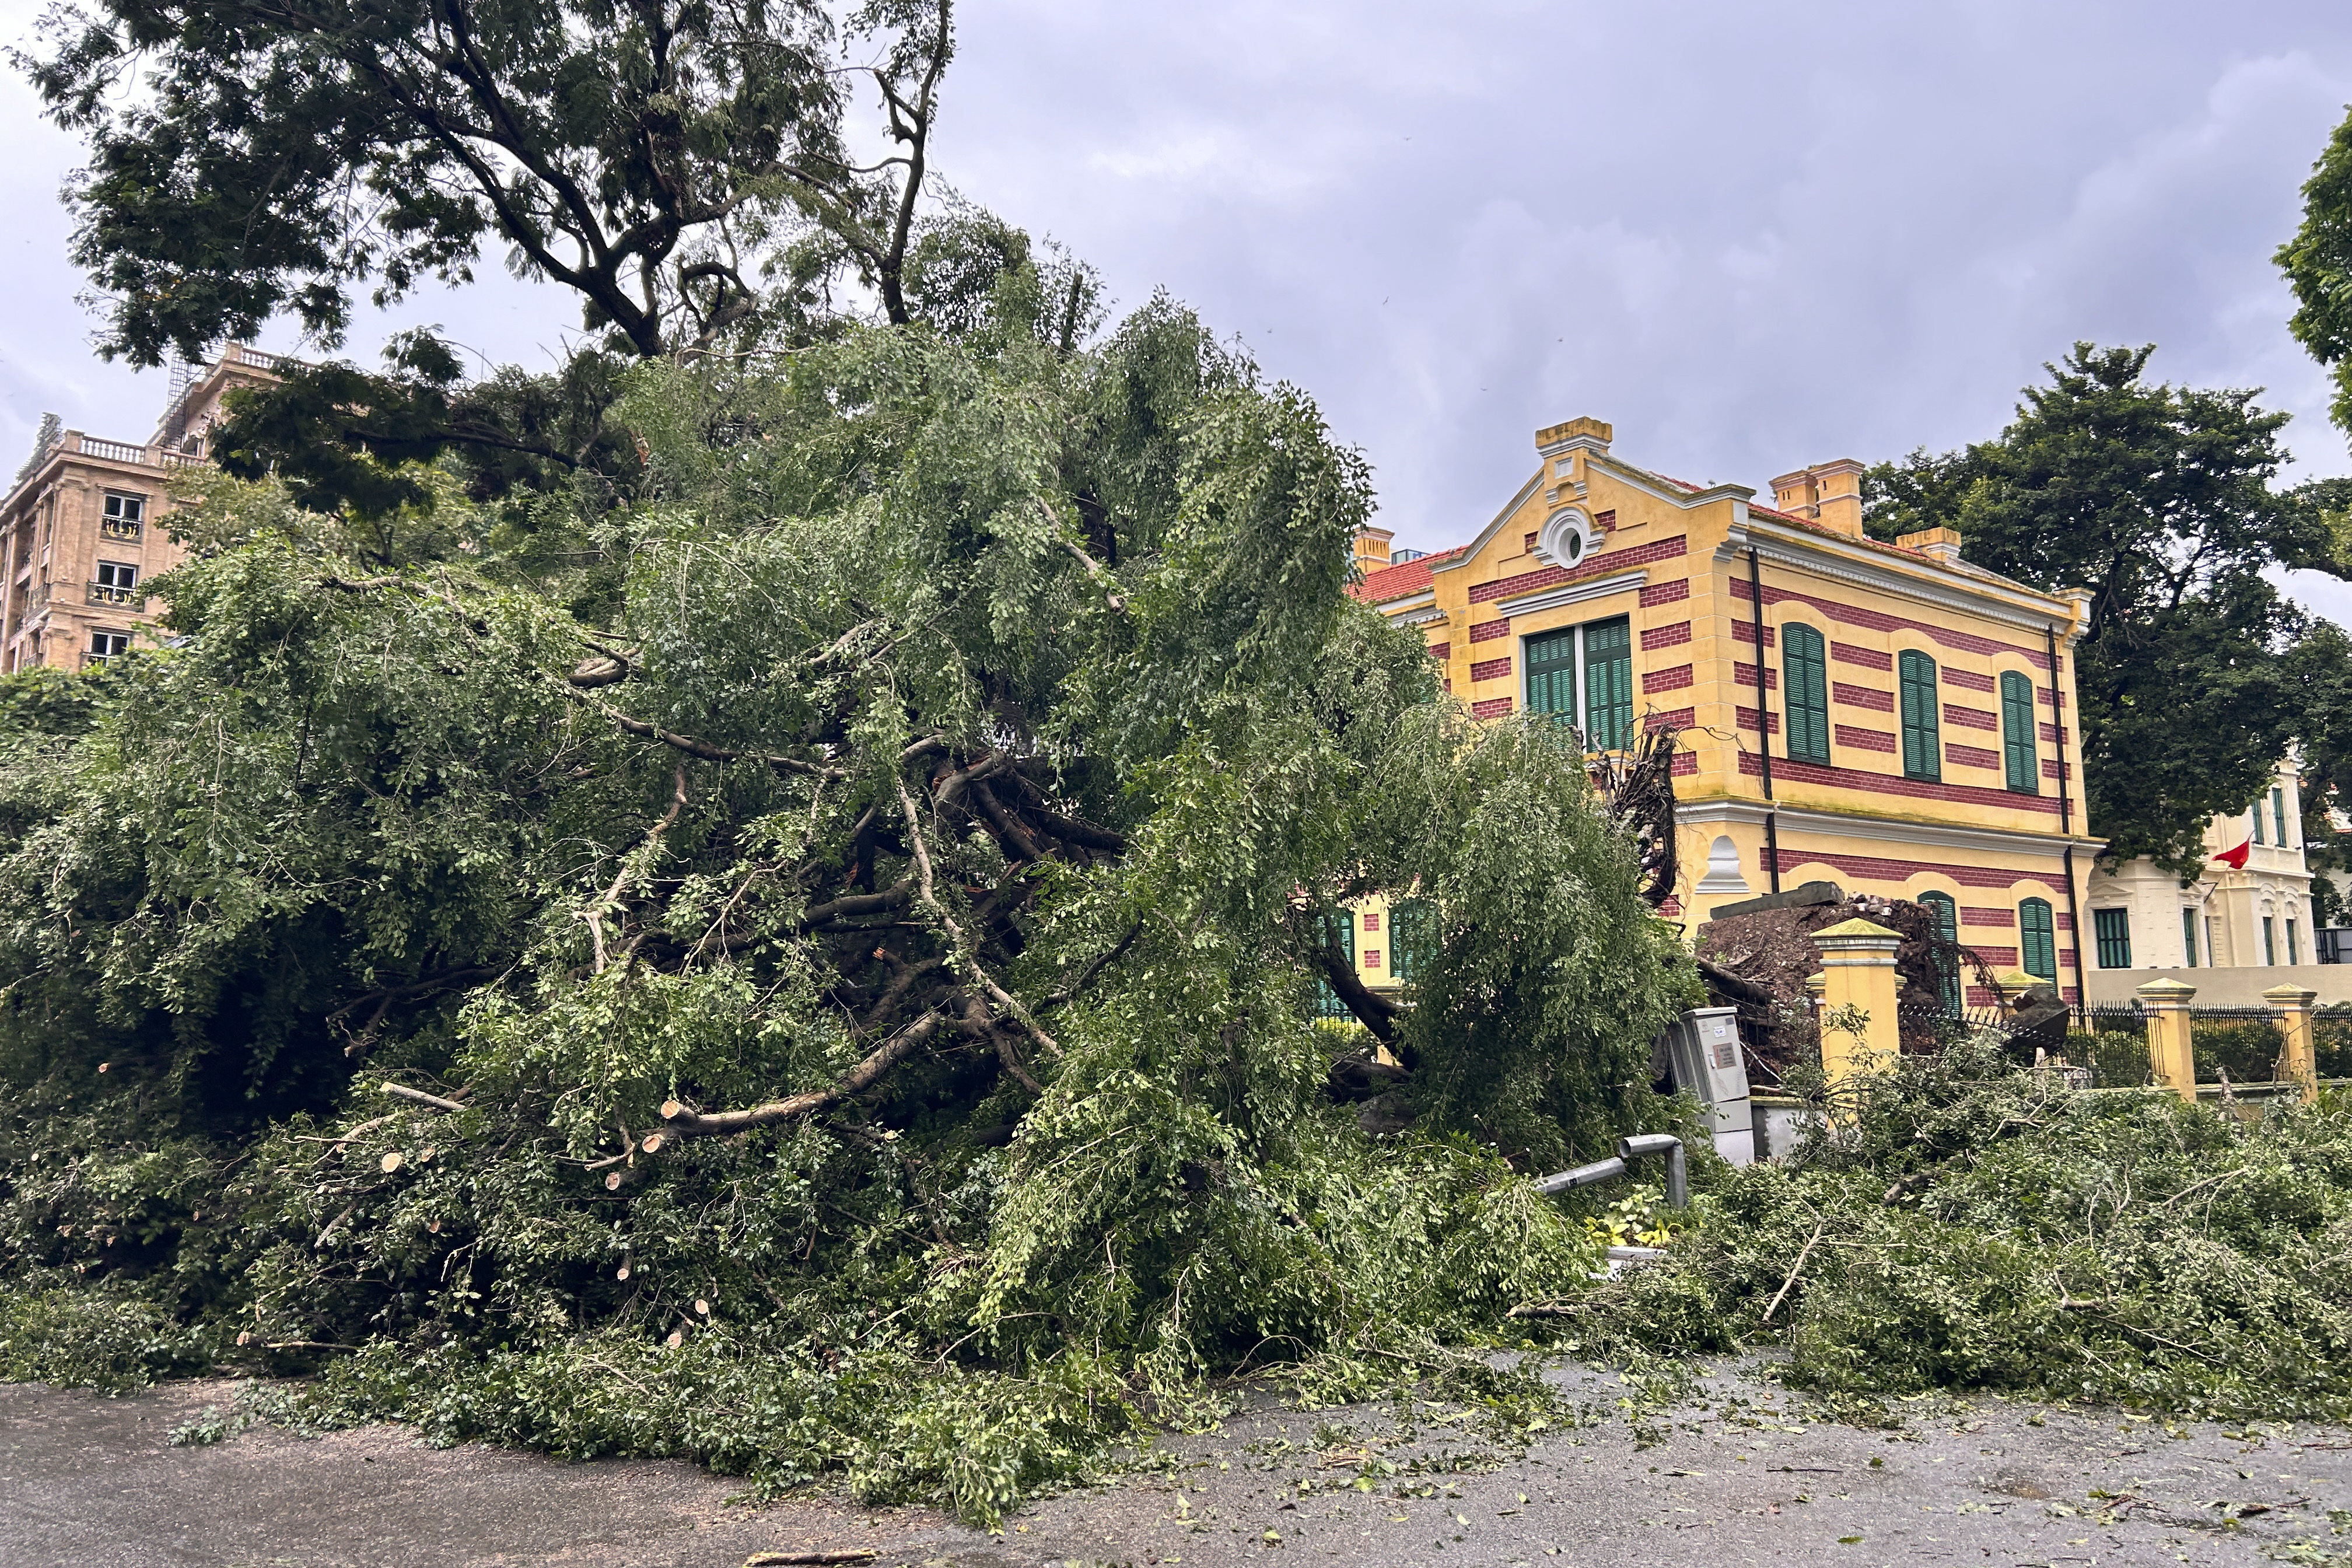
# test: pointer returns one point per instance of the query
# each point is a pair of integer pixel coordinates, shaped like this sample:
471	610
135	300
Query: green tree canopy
889	918
2318	266
2159	500
249	159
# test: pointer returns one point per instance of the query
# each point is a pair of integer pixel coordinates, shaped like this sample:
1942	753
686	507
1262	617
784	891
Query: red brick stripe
1665	592
1969	717
1600	565
2050	770
1987	916
1870	868
1970	756
1864	740
1863	697
1673	680
1886	783
1492	708
1440	652
1745	676
1879	621
1606	521
1686	764
2050	732
1969	679
1488	631
1743	631
1490	670
1680	719
1997	957
1746	719
1655	637
1869	659
2047	697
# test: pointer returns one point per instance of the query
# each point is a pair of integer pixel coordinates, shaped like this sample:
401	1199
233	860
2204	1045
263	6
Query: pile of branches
824	980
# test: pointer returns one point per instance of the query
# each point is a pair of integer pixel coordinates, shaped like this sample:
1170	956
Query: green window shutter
1609	685
2037	940
2017	733
1339	931
1947	925
1552	674
1805	694
2270	940
2189	937
2257	821
1923	737
2113	928
1413	939
2278	814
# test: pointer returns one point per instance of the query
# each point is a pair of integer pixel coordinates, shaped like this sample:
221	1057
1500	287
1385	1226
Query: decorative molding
1426	616
1894	830
1573	593
1806	553
1567	537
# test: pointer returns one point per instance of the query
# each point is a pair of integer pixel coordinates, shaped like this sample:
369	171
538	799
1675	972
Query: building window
1804	676
2270	940
2189	937
1585	675
1923	746
2278	814
2037	940
2257	821
125	509
1608	684
1413	939
1947	916
116	574
2023	767
2293	955
2113	928
106	645
1339	932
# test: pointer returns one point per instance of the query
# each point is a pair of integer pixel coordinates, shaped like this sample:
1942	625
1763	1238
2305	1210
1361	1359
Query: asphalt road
1744	1477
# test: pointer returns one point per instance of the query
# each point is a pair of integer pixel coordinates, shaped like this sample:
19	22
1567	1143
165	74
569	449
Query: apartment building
1888	717
79	531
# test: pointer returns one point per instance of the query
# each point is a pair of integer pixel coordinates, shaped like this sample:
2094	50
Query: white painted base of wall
2235	987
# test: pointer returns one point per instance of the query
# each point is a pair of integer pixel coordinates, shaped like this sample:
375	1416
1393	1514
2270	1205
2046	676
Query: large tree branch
1376	1012
682	1121
967	954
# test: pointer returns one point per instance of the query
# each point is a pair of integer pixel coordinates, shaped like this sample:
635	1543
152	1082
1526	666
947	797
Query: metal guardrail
105	594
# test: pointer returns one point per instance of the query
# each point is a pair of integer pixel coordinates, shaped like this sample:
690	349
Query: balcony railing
117	451
122	527
106	593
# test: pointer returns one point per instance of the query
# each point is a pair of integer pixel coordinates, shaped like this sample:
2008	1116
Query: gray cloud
1752	235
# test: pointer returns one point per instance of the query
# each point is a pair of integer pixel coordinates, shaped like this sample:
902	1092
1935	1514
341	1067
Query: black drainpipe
1764	727
2066	820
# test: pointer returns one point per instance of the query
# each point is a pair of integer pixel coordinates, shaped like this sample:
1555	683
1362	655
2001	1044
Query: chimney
1941	545
1829	494
1372	547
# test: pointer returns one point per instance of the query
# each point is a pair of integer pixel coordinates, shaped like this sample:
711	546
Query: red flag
2236	859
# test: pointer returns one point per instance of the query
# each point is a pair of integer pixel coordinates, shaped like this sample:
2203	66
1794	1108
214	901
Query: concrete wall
2240	987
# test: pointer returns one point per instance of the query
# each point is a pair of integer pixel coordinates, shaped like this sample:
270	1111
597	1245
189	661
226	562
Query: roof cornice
1995	598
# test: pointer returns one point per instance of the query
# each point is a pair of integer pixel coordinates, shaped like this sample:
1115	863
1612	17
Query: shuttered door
1923	744
1413	939
2017	733
1947	966
1339	932
2037	938
1608	685
1552	674
1804	675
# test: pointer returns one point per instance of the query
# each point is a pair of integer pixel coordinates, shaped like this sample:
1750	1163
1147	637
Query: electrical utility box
1704	1054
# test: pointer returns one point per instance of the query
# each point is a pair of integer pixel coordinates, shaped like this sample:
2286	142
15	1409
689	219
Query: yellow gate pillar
2169	1054
2291	1009
1857	972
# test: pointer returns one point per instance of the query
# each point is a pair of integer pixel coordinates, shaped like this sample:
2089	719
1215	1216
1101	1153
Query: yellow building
1901	729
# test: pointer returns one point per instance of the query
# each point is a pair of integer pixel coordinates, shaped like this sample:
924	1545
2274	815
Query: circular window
1567	537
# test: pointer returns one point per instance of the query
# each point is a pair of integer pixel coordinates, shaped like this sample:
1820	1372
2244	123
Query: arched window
2017	733
1948	926
2037	940
1804	680
1923	739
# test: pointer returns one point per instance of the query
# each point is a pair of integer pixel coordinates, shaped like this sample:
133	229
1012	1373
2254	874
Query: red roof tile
1395	582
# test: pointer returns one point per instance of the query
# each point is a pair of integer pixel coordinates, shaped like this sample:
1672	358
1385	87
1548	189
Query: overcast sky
1752	235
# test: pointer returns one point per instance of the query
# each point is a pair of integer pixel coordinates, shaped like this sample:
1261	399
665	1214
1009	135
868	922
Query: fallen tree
841	947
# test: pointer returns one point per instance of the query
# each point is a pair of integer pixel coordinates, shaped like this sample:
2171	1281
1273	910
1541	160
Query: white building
2243	925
